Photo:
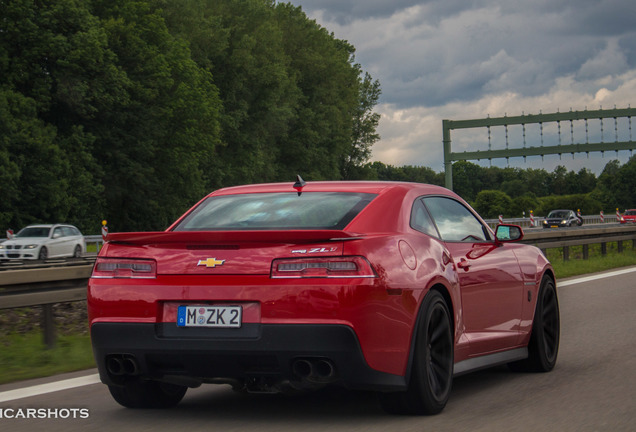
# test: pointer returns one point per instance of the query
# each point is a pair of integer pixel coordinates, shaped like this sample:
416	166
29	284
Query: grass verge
23	354
597	261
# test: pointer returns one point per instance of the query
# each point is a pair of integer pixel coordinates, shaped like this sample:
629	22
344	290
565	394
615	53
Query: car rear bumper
260	356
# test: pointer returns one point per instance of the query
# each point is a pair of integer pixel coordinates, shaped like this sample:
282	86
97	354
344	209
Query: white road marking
595	277
49	388
94	379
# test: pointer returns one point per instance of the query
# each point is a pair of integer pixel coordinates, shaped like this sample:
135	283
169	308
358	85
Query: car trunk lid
224	252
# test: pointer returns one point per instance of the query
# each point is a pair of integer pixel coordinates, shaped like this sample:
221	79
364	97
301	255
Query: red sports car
383	286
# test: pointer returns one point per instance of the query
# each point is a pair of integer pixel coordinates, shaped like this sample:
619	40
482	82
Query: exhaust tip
302	368
130	366
114	366
324	369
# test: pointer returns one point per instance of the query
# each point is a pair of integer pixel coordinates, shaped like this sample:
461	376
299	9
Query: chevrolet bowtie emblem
210	262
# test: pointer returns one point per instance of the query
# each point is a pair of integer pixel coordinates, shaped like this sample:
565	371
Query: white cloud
413	136
451	59
606	62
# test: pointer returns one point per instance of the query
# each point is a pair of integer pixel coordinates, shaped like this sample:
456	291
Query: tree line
133	110
514	192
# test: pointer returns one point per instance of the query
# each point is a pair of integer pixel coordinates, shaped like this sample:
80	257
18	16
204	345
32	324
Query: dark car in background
562	218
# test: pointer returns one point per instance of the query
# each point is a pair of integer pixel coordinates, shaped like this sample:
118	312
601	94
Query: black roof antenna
300	184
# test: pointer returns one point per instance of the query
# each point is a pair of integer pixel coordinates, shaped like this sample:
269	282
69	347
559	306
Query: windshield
630	213
276	211
561	214
33	232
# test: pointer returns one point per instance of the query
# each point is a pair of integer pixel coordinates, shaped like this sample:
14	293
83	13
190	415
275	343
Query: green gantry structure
540	119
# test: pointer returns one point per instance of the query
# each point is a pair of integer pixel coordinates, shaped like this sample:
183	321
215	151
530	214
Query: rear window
276	211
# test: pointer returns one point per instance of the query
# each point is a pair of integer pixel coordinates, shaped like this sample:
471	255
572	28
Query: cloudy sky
459	59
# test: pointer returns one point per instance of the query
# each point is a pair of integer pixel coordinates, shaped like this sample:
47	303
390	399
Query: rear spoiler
216	237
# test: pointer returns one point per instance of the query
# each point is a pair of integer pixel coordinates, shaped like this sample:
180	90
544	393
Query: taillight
326	267
124	268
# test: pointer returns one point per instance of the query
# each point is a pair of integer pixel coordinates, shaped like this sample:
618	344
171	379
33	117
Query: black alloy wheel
544	341
432	370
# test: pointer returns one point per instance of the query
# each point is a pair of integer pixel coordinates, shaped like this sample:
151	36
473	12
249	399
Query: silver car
44	241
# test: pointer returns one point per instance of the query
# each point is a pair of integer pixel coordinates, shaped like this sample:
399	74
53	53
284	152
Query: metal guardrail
44	287
94	239
525	222
32	287
67	283
588	235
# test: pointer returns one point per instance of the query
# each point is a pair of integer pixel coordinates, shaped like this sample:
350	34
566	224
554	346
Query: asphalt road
592	388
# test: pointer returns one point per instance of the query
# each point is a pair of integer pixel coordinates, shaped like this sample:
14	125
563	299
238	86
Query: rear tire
433	361
147	394
77	253
543	347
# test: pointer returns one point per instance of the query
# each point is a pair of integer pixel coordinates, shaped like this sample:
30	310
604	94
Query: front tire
432	370
147	394
43	254
544	340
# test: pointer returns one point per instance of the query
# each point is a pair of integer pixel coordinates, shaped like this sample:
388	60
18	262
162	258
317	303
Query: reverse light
324	267
124	268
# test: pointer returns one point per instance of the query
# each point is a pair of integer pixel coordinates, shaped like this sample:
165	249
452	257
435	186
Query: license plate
210	316
554	226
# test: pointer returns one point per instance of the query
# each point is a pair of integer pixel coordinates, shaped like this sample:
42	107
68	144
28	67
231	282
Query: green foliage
492	203
542	191
521	206
468	180
409	173
131	111
583	202
364	127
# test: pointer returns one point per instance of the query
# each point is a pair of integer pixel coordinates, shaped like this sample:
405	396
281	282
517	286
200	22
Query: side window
57	232
421	220
454	221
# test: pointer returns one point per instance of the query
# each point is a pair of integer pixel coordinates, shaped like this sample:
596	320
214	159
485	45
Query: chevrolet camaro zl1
389	287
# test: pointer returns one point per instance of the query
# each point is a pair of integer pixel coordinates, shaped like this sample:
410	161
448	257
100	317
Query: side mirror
508	233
